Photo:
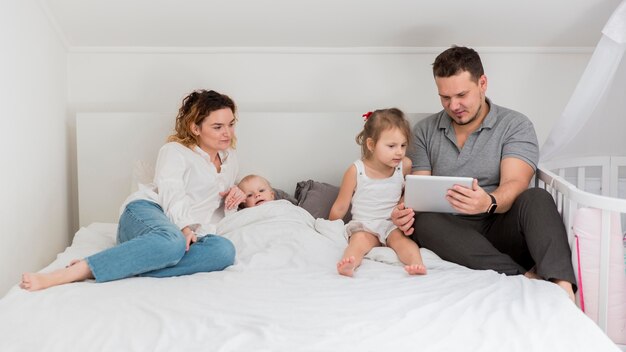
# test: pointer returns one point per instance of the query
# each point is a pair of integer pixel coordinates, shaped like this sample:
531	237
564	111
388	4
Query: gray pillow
317	198
280	194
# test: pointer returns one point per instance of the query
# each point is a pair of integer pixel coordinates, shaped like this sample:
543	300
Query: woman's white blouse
187	186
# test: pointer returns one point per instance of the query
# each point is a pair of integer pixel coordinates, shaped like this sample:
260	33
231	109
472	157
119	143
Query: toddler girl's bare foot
346	266
415	269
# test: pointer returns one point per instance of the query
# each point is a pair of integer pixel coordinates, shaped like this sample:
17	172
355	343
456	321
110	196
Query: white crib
594	182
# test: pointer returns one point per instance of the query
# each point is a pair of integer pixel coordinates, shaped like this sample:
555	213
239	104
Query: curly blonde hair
195	108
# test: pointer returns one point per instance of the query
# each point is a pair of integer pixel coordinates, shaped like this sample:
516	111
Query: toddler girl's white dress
373	201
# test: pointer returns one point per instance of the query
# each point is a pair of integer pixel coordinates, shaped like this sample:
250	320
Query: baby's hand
233	197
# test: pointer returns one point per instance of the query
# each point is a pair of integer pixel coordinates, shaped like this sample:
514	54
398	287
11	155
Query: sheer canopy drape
594	121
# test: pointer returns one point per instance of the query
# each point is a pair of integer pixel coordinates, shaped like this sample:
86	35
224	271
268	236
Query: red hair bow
367	115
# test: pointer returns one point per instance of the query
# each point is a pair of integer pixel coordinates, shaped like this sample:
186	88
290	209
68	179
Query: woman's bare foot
415	269
76	271
74	261
36	281
346	266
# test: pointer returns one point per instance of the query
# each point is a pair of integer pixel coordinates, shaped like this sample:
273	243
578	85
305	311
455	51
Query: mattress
283	294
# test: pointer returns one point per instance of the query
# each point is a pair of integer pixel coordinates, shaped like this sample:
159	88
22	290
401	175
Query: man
502	224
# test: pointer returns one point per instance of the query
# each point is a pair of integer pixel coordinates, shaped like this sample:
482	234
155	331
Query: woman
167	228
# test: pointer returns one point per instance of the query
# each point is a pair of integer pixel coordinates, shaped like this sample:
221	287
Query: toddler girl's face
391	147
257	192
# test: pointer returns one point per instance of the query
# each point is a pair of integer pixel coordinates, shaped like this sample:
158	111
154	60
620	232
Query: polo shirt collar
491	118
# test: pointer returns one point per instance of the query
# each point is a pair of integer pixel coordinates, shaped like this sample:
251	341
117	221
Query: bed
283	293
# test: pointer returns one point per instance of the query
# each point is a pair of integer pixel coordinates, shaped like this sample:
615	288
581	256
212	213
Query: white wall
34	179
534	82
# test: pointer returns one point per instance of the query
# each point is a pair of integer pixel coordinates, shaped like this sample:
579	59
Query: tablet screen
428	193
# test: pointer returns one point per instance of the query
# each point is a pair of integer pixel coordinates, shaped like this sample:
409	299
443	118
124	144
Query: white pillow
142	173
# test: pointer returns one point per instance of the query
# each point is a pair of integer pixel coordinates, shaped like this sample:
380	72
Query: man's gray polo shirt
504	133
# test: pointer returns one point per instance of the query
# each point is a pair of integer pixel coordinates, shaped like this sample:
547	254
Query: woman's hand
403	218
233	197
190	237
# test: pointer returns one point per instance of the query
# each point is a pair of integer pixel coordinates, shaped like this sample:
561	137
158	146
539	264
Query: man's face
461	97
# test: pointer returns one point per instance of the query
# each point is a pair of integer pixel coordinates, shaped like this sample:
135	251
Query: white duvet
283	294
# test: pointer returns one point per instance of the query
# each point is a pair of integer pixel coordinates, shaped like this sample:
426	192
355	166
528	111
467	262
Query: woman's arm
169	180
342	203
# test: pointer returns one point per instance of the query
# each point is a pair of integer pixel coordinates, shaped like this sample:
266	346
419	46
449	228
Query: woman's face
216	132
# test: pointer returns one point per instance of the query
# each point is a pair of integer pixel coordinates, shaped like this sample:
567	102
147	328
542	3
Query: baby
257	191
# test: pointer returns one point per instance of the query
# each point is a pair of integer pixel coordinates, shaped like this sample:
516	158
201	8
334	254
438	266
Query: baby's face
257	192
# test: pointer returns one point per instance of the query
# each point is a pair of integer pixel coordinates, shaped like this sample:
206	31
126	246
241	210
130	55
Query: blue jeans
150	245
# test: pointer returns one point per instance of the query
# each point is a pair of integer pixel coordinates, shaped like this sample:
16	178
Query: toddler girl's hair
379	121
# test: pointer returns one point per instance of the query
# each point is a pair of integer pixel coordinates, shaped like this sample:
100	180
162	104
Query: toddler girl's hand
233	197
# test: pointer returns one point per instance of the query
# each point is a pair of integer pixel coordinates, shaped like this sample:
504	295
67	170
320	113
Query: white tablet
428	193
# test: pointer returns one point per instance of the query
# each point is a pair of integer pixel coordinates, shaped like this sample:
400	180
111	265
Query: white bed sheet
283	294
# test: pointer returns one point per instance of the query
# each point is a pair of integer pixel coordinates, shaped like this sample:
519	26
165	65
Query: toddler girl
374	186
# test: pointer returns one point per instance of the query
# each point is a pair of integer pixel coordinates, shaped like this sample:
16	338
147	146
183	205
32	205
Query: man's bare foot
346	266
76	271
532	275
415	269
567	287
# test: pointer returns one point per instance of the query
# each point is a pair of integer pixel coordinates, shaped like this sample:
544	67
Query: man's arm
403	217
515	175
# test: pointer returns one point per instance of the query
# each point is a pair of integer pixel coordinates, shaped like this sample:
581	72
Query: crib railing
569	198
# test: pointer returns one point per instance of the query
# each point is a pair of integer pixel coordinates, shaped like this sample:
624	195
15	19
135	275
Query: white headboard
283	147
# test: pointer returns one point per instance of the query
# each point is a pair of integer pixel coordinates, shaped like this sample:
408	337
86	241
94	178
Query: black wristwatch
493	205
